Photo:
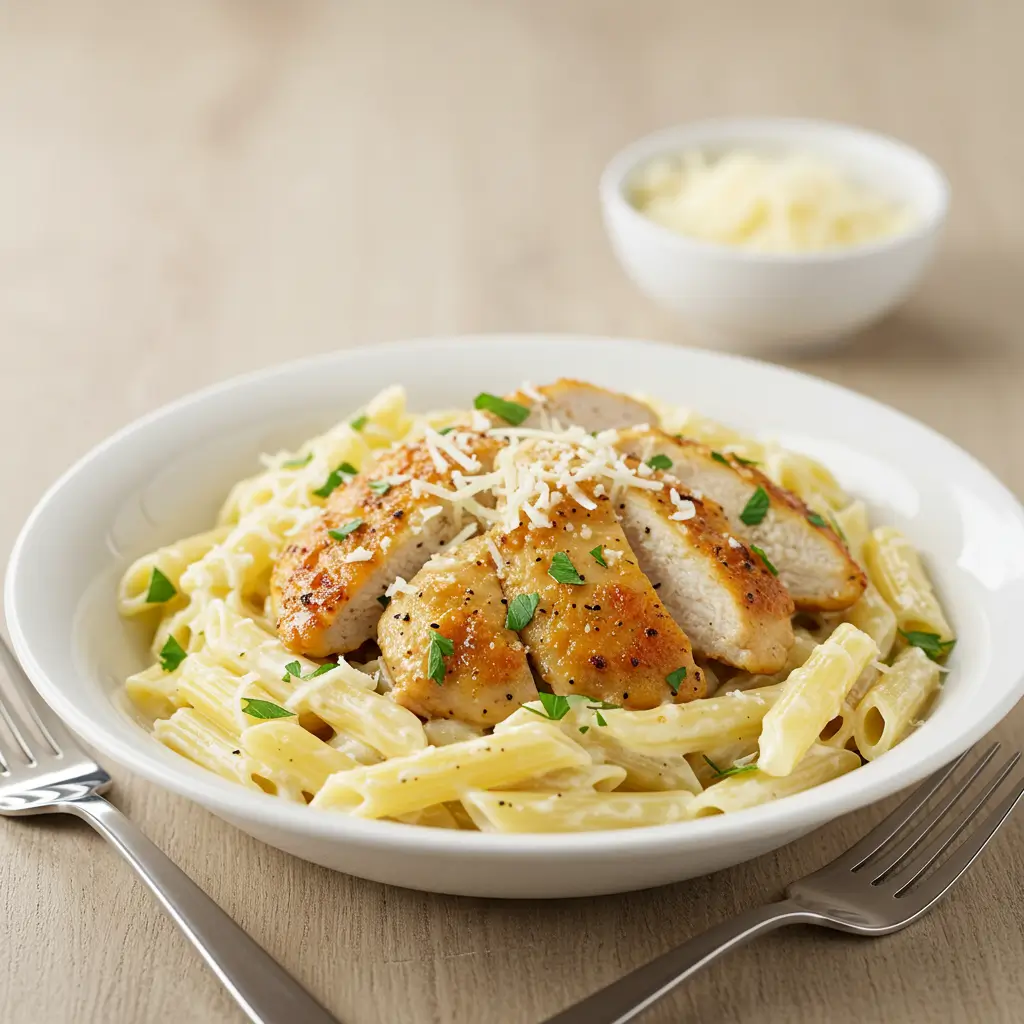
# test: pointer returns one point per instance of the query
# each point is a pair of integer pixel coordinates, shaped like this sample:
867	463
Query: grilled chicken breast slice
728	603
608	637
576	403
487	676
813	562
324	591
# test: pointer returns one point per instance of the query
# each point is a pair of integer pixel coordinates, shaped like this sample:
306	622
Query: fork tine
19	733
935	887
910	840
916	868
47	722
889	826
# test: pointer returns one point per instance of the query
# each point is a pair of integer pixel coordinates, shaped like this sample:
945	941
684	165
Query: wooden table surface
189	190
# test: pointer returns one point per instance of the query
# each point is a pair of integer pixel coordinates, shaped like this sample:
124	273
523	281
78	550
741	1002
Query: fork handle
262	987
627	998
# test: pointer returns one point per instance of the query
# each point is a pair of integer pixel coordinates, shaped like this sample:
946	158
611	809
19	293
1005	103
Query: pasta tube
191	735
812	697
287	750
888	710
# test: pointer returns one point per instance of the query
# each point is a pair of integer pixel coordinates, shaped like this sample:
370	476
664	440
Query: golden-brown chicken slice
726	600
812	561
576	403
607	636
325	588
457	596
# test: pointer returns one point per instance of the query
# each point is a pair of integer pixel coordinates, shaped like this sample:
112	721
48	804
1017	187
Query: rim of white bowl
874	780
669	141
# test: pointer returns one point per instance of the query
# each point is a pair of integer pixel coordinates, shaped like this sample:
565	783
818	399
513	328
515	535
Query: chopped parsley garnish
380	487
445	430
598	554
344	530
835	526
383	600
675	678
294	669
599	718
719	457
815	520
563	571
736	769
931	643
172	654
359	422
584	728
160	588
264	709
338	476
756	508
745	462
302	460
555	706
764	558
440	648
659	461
520	611
510	412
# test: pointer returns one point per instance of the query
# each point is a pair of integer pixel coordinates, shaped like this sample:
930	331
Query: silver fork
878	886
43	771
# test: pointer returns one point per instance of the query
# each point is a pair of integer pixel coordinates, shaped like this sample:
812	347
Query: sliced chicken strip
458	596
574	402
729	604
609	636
812	561
325	590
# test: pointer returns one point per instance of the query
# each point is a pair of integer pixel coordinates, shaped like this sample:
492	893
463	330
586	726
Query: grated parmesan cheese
360	554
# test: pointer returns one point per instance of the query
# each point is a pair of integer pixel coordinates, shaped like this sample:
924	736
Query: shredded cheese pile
794	203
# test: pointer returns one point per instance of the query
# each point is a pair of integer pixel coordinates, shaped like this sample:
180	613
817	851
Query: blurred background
193	189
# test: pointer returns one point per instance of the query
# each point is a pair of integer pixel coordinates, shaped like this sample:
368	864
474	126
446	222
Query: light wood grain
194	189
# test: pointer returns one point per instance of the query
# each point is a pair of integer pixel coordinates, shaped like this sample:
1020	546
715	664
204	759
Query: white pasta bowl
164	477
745	300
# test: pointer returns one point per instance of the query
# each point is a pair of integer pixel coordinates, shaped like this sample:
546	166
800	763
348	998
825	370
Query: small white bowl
165	476
740	299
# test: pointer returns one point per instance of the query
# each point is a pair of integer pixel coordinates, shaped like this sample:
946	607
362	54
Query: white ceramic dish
164	477
737	299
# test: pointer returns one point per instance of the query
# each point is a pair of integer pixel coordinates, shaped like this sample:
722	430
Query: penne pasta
285	750
890	707
812	697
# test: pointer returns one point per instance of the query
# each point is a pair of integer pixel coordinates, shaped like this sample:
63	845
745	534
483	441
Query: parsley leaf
383	600
764	558
599	718
293	668
598	554
563	571
343	531
510	412
264	709
440	648
520	611
931	643
736	769
756	507
380	487
172	654
555	706
338	476
584	728
815	520
659	461
445	430
303	460
160	588
675	678
745	462
719	457
359	422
